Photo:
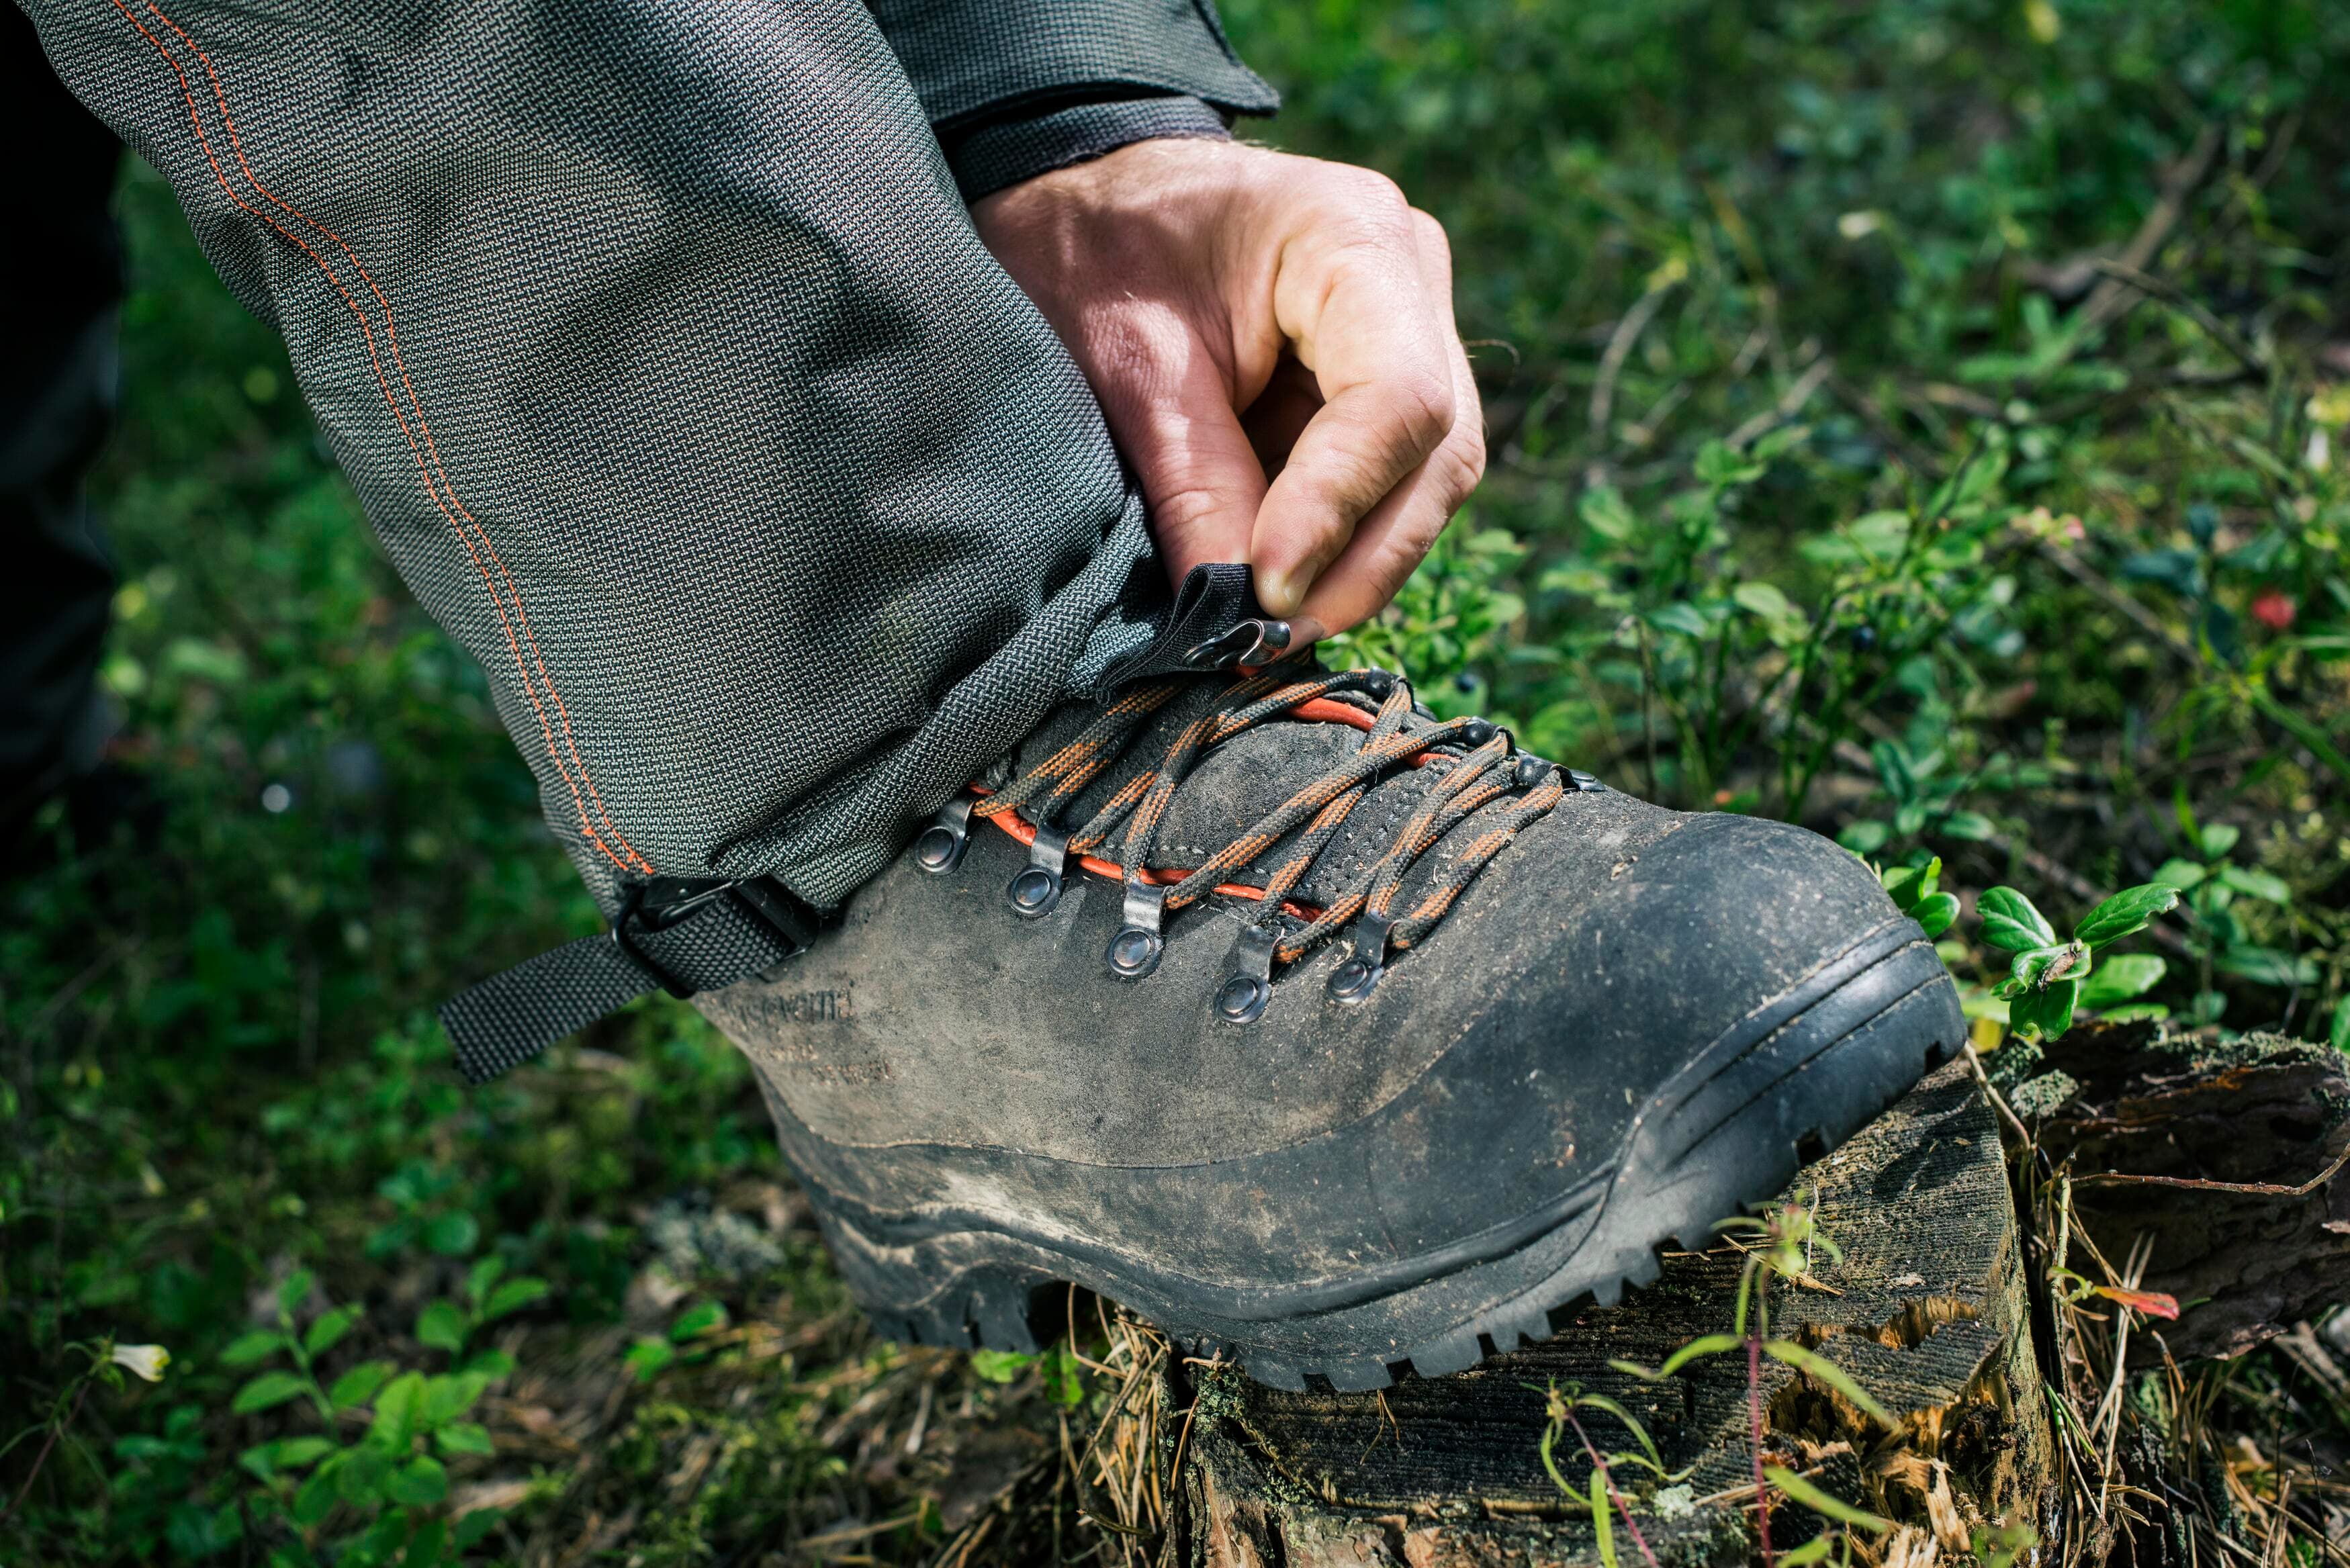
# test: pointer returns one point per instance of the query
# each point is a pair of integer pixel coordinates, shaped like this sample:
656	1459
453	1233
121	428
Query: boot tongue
1239	783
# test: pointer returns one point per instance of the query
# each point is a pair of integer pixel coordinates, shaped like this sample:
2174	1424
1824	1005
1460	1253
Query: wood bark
1927	1310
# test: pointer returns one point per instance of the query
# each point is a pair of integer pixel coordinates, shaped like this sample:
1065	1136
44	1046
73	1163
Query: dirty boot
1320	1032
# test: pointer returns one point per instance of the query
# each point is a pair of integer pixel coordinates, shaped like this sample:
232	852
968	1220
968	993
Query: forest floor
1925	420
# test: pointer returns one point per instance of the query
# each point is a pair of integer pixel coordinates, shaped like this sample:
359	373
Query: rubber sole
1786	1085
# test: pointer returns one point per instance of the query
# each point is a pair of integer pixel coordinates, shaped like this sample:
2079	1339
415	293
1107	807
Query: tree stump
1928	1311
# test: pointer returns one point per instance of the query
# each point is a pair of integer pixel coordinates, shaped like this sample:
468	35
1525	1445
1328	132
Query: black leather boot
1320	1031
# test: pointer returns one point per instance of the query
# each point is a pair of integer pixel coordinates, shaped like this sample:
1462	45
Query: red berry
2273	609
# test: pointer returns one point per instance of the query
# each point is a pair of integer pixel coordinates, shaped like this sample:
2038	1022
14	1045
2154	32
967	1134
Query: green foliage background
1831	479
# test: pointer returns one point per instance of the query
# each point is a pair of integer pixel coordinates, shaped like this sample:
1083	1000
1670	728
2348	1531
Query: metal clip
1037	887
1352	980
1134	953
939	848
1248	642
1248	985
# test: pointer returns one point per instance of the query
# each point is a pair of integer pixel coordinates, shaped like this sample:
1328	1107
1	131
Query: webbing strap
671	935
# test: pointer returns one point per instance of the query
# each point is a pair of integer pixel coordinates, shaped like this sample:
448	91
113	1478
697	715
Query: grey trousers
657	340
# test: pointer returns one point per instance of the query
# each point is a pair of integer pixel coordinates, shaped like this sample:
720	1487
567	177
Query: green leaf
2045	1014
2117	978
702	1317
464	1437
490	1364
396	1411
2254	884
1935	912
2042	966
276	1457
2220	837
1603	1521
294	1292
2011	922
362	1474
1829	1373
319	1493
453	1234
2135	1012
1603	513
1864	837
1762	600
482	1276
648	1356
2179	874
358	1386
513	1296
1703	1344
449	1396
441	1326
328	1327
267	1392
472	1527
1821	1503
1810	1551
2341	1032
1000	1365
2125	912
1972	825
419	1483
2267	966
259	1345
1684	619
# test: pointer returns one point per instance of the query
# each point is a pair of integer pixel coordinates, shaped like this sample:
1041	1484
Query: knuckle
1423	407
1430	234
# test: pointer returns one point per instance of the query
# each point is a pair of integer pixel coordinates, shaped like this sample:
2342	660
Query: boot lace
1486	789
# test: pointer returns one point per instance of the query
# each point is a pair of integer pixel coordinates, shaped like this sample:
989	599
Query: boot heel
984	1310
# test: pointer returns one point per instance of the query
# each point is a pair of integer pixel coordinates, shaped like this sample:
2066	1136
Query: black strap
672	934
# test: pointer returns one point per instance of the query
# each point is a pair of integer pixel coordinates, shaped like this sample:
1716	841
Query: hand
1272	340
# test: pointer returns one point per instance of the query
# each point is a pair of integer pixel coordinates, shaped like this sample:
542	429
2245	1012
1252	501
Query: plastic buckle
665	903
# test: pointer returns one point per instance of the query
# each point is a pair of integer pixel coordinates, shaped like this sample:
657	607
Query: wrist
999	155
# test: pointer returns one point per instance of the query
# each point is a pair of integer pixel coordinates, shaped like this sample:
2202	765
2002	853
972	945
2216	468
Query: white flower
146	1361
1859	226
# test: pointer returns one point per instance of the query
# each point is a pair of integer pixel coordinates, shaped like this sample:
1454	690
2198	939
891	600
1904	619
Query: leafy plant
2213	886
2050	981
1778	1244
374	1498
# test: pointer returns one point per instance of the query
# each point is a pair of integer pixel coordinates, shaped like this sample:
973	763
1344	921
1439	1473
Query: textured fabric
57	380
981	59
1004	153
659	346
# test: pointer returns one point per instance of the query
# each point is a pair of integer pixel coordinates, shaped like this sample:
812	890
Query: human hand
1272	340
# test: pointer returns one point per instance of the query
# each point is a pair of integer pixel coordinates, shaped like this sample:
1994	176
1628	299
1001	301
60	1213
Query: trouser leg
666	362
58	378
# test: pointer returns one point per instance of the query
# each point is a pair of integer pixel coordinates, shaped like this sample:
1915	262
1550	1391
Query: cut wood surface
1927	1310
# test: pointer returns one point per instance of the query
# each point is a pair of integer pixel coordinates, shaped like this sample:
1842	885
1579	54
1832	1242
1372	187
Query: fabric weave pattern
659	346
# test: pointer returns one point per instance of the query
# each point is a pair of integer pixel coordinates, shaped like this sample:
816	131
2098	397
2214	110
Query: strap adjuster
663	904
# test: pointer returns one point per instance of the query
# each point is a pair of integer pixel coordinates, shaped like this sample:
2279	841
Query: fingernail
1273	592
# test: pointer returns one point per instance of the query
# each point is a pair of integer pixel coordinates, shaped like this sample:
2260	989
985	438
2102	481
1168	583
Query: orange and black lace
1486	792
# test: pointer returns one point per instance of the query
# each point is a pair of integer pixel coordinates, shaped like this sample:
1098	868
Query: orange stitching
195	119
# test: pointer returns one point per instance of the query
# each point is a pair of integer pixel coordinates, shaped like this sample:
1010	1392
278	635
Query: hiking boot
1321	1033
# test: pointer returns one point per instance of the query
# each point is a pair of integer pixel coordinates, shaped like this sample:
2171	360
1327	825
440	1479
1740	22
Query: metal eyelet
1476	732
1248	985
939	849
1036	888
1532	770
1584	783
1134	950
1352	980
